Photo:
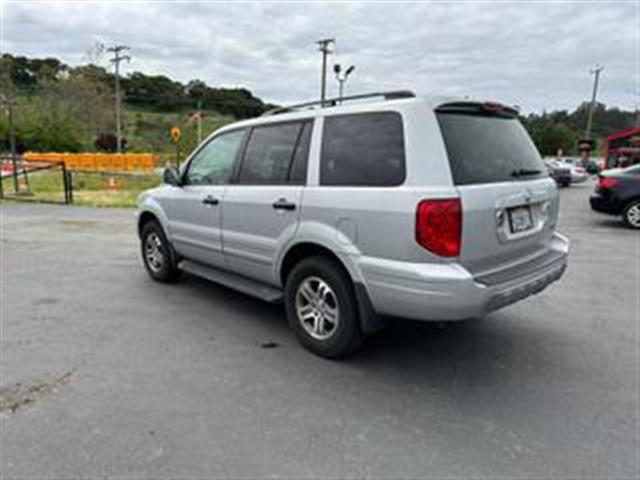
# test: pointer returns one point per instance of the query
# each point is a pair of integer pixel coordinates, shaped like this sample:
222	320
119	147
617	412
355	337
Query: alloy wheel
317	308
154	252
633	215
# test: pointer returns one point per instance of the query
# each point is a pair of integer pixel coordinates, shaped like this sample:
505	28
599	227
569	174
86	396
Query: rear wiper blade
523	172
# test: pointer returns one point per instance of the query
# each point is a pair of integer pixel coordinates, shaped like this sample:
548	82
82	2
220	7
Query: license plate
520	219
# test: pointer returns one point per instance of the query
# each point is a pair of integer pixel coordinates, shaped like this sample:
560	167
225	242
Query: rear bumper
450	292
604	205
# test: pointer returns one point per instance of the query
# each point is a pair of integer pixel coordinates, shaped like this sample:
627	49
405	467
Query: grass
89	188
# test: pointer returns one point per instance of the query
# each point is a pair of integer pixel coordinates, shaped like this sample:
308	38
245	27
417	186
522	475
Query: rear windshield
485	148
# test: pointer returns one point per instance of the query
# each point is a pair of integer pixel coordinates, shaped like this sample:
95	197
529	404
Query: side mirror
171	176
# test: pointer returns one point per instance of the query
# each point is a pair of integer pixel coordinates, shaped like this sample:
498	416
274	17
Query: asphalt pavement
106	373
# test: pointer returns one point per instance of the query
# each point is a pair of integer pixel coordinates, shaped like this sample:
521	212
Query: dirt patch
46	301
17	396
78	225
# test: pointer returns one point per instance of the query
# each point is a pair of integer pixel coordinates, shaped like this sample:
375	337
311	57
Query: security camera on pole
341	77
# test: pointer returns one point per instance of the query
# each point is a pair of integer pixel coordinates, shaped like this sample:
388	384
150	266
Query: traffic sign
175	134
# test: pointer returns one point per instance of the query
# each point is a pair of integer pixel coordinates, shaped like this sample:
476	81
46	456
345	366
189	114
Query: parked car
424	208
618	193
560	172
578	171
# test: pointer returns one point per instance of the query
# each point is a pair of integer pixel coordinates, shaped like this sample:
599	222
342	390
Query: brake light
492	106
607	182
439	226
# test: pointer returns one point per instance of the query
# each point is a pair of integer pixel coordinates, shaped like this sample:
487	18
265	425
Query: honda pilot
352	212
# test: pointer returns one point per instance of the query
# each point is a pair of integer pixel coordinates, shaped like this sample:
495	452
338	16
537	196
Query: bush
108	142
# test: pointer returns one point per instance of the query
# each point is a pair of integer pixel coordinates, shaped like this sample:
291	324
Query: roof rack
332	102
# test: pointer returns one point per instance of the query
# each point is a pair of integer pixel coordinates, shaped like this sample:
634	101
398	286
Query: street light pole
324	48
116	61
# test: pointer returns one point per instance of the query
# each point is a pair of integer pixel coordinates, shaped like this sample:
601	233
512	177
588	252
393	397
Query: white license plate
520	219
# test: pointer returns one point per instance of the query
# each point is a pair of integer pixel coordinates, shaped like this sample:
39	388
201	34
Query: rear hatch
509	202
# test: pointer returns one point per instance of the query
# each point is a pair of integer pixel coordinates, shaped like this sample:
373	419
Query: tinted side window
269	153
214	163
364	149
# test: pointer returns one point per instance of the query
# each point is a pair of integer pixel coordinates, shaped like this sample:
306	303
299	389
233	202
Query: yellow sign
175	134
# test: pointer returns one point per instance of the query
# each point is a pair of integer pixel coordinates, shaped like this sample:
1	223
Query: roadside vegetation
93	189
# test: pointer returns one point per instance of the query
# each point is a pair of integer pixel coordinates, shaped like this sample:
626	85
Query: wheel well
629	201
305	250
145	218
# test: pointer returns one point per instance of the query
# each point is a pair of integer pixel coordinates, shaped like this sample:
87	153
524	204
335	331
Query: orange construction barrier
106	162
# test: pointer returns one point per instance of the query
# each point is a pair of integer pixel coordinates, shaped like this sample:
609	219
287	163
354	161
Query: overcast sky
534	54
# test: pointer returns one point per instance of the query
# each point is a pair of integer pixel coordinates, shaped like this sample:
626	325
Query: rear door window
486	148
363	149
275	152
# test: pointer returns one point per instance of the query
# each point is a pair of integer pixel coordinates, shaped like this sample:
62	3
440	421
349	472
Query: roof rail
332	102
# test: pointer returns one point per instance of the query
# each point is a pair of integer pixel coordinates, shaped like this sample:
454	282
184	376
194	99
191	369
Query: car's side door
262	205
194	208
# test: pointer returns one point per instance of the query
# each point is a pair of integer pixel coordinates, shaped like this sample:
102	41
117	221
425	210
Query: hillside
63	108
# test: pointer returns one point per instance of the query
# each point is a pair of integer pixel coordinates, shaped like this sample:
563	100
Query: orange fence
106	162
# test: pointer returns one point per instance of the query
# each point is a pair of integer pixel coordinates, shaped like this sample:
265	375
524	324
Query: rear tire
157	253
631	214
322	309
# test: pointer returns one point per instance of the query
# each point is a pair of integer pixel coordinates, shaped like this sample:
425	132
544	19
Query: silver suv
423	208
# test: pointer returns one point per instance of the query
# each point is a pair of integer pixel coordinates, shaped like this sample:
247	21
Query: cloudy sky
536	54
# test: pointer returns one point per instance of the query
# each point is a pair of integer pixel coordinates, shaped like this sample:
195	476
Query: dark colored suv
618	193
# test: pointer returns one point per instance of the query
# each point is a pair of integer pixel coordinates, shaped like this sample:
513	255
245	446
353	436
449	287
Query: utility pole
636	95
8	104
323	46
117	58
199	124
596	73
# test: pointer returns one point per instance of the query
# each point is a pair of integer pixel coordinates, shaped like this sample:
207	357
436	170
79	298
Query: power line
117	58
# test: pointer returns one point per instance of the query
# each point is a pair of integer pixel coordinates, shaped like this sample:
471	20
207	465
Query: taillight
439	226
607	182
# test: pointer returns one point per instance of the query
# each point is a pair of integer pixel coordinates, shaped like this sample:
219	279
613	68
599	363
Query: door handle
283	204
210	200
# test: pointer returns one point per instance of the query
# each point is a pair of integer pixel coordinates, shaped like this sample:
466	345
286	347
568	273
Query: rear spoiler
479	108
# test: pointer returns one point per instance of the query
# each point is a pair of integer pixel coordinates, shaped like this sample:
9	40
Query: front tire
321	308
157	254
631	214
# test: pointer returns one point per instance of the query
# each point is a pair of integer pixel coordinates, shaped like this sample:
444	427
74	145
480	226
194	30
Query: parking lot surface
112	374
